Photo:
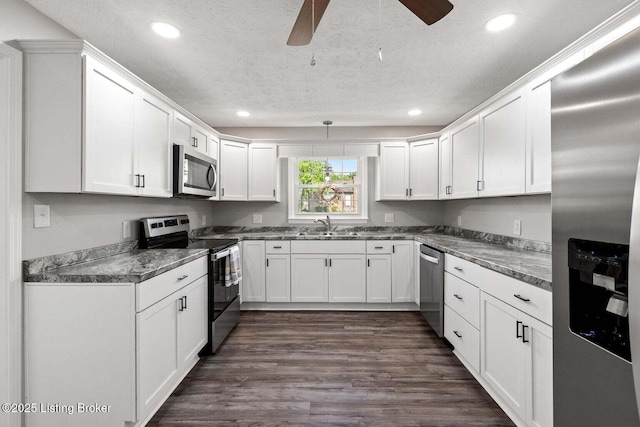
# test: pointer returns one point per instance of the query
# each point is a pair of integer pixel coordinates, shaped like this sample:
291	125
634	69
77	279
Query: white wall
20	20
275	214
496	215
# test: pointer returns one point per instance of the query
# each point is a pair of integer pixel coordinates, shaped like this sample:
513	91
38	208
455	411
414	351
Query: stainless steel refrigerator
595	134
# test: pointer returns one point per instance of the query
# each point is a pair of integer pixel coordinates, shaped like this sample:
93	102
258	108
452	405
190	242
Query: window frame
295	217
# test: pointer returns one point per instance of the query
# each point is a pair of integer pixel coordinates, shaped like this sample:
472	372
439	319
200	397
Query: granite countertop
134	266
529	266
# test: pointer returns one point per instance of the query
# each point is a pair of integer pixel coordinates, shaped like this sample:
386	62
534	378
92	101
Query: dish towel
233	272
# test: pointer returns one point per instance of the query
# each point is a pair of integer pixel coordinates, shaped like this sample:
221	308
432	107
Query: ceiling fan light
500	23
243	113
165	30
414	112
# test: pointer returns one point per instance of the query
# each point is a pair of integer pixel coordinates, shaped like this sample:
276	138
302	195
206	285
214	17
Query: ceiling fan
429	11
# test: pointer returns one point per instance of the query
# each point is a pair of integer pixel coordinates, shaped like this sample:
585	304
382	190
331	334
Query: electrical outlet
459	220
257	219
517	227
41	216
389	217
204	220
126	229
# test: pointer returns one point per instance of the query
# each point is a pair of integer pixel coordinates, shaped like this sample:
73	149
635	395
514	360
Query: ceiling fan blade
430	11
302	31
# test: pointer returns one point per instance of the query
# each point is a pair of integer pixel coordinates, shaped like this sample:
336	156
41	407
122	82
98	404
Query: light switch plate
517	227
257	219
459	220
126	229
41	216
389	217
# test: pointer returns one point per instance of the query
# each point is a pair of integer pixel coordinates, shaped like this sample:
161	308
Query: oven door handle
222	254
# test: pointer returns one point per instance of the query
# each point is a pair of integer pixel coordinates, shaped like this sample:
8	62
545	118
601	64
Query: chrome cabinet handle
378	247
137	180
274	192
457	268
183	277
458	296
480	185
368	263
185	302
518	323
144	181
457	334
181	308
521	298
411	191
524	340
277	247
267	262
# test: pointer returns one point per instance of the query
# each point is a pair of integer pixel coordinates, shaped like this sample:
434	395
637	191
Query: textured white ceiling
233	55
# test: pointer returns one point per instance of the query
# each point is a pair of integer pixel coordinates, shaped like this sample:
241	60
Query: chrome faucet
326	223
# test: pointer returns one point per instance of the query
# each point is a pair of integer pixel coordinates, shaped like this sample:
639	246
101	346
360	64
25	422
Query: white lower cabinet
516	354
127	345
253	271
402	278
278	278
309	278
378	278
347	278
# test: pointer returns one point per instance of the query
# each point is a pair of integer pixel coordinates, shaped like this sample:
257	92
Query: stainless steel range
169	232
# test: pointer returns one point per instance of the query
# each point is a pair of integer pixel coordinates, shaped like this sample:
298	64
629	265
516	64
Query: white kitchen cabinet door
108	158
192	322
263	172
233	170
393	171
157	354
153	145
278	278
503	140
538	163
309	278
465	143
423	170
402	275
253	271
503	355
347	278
214	147
379	278
189	134
444	151
539	374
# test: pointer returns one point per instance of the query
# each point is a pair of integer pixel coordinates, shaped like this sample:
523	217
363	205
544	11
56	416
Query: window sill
334	220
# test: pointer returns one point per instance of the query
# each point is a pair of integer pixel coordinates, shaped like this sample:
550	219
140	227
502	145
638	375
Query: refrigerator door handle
634	287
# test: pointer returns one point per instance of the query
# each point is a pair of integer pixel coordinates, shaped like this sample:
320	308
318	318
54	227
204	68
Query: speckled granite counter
506	256
133	266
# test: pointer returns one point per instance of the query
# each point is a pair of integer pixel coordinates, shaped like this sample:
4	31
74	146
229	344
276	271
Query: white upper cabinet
444	151
423	170
153	146
263	172
408	171
109	119
233	169
214	147
393	171
465	150
190	134
502	136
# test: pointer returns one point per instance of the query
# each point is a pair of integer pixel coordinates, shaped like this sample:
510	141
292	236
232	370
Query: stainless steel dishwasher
432	288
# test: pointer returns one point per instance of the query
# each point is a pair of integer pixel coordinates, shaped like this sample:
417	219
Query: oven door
194	174
222	295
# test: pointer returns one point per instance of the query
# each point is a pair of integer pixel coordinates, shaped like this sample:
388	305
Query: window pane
345	201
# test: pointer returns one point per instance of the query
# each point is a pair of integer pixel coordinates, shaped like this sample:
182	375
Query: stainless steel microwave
194	174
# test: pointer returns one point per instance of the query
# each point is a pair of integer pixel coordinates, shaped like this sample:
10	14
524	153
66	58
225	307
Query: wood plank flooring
331	368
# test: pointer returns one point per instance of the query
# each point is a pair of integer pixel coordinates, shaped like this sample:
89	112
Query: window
321	187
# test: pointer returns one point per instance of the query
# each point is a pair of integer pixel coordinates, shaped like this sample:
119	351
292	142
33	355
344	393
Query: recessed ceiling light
243	113
165	30
415	112
500	23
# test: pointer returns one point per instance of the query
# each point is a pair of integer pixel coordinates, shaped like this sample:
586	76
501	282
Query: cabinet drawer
153	290
278	246
328	247
379	246
463	298
463	269
464	337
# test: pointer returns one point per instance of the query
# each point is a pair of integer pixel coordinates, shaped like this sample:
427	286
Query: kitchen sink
328	233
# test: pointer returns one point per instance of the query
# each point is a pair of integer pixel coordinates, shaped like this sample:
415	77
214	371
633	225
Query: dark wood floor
331	368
